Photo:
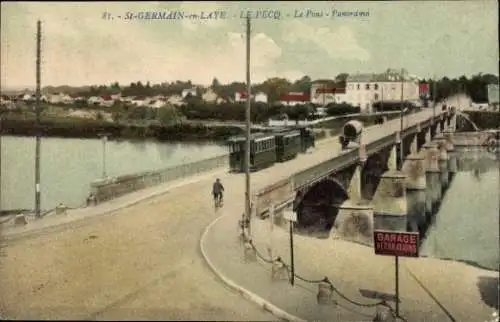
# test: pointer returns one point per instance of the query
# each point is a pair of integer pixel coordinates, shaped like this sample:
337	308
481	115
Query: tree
215	83
341	80
167	115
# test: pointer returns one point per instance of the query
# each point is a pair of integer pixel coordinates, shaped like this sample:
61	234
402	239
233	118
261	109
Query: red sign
394	243
423	88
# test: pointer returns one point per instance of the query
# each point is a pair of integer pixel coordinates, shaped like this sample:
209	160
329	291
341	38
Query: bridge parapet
108	189
310	176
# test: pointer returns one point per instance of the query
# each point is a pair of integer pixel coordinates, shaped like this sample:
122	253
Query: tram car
266	148
288	144
307	139
262	152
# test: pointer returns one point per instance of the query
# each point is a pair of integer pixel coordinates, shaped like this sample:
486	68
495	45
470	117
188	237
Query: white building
157	103
175	100
209	96
189	91
364	90
322	94
240	97
294	98
260	97
94	100
493	93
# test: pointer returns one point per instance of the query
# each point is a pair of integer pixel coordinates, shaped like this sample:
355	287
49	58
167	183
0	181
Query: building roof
294	97
390	75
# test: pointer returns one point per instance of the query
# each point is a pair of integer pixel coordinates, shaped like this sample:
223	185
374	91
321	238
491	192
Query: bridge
94	266
349	179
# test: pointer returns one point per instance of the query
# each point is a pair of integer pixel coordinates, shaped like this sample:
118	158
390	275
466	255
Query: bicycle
218	200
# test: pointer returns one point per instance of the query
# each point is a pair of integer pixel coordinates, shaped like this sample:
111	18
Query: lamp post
1	119
37	124
247	129
401	112
104	139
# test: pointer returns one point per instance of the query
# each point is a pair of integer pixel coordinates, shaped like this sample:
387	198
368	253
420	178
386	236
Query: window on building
358	87
375	96
376	86
367	106
367	86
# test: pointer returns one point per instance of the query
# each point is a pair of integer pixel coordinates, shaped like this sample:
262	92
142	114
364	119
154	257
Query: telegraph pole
401	153
37	124
248	124
1	119
434	98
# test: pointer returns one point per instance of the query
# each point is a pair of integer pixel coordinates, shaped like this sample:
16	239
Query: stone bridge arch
318	204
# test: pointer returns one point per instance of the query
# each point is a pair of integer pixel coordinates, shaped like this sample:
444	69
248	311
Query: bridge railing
282	193
115	187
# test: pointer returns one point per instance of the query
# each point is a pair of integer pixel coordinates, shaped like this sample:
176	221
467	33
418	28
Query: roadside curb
244	292
80	221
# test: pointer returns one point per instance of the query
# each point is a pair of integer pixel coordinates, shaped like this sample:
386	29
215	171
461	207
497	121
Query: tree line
475	87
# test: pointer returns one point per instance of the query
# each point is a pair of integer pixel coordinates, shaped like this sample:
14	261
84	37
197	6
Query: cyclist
217	190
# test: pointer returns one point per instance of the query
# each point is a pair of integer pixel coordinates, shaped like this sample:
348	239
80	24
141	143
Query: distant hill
46	90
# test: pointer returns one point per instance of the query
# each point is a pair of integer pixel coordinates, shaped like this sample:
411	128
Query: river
466	224
68	166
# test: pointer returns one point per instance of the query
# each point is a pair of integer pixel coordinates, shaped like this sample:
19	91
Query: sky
81	47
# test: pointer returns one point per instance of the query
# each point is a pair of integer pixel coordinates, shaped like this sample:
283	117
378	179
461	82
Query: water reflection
68	166
461	207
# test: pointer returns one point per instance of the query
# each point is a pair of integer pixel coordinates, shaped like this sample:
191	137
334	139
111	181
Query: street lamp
104	139
1	119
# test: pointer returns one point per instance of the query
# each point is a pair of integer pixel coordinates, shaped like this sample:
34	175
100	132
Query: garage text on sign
396	243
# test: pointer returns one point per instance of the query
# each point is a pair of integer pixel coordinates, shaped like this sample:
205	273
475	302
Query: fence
115	187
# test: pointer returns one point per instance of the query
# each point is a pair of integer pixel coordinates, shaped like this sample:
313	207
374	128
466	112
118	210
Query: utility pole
401	152
1	120
248	125
434	98
37	124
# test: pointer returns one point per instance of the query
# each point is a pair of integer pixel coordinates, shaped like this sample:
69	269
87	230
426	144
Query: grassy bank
86	128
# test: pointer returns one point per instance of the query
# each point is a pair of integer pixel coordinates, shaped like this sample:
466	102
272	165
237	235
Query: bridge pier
443	163
414	145
414	170
392	162
354	219
416	209
428	136
449	140
433	178
390	206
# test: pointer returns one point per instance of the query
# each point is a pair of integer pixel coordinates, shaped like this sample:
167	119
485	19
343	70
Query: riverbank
68	127
189	131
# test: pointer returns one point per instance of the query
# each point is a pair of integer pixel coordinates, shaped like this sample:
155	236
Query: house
60	98
260	97
94	100
209	96
106	101
175	100
365	89
117	97
28	97
7	103
220	100
294	98
189	91
127	99
66	99
323	94
157	103
240	97
140	101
